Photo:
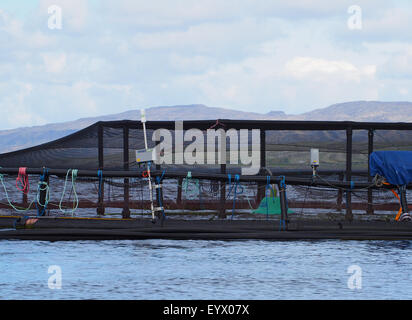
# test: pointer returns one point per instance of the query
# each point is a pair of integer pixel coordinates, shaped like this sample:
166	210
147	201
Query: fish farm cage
96	173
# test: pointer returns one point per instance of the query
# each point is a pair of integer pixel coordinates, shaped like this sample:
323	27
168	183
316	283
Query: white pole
143	114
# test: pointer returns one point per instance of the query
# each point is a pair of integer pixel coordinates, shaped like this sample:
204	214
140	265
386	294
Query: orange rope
397	196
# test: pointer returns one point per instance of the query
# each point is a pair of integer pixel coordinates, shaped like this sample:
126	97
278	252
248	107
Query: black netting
287	153
79	150
291	149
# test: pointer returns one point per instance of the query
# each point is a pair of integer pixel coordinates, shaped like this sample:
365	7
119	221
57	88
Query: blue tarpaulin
394	166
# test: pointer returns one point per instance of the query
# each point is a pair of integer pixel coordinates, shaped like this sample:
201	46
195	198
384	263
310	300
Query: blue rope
282	182
268	187
100	176
229	177
283	186
21	219
45	188
236	185
185	185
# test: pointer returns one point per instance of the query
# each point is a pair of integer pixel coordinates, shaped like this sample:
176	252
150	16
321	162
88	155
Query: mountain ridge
371	111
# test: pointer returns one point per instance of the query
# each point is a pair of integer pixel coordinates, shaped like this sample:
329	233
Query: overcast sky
115	55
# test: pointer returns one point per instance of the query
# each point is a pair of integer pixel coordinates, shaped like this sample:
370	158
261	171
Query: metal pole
222	209
126	188
43	194
370	191
260	187
340	194
179	192
149	178
349	214
25	201
293	181
404	202
283	205
100	205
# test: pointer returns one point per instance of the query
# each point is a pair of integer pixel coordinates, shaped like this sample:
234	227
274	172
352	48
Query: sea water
169	269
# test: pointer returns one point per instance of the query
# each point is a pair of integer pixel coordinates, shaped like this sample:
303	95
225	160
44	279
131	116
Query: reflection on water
166	269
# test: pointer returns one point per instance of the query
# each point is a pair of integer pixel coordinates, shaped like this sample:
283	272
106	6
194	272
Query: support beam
137	173
179	192
283	207
263	148
126	188
222	207
100	204
261	187
24	200
42	208
159	199
370	191
404	202
340	194
349	133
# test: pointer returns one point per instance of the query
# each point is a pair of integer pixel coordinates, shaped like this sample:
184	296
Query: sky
111	56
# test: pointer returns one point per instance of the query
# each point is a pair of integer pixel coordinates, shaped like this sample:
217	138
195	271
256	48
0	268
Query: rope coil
18	209
75	198
186	183
22	181
43	187
234	186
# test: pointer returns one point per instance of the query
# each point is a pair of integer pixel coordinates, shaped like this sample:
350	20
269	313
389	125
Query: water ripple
169	269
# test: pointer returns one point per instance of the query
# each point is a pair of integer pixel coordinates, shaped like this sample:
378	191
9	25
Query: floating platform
67	229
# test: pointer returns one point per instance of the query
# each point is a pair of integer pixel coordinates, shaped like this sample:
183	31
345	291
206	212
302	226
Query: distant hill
373	111
20	138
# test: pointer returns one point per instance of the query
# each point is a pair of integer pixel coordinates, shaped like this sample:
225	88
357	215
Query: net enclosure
202	170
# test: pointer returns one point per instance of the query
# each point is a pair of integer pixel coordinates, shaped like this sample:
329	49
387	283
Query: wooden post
262	148
25	201
260	187
370	190
126	188
100	205
179	192
283	205
340	195
349	132
222	209
404	202
43	195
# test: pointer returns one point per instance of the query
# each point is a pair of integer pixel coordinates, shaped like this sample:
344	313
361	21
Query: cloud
269	81
18	37
160	14
15	109
54	62
113	56
391	23
321	69
398	65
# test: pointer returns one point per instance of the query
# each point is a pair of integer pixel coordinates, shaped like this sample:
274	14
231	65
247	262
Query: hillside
20	138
